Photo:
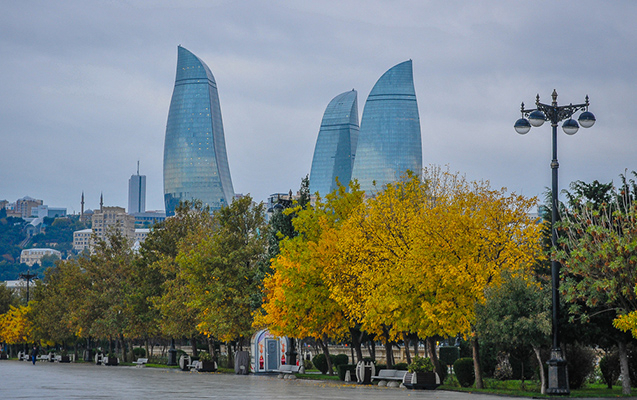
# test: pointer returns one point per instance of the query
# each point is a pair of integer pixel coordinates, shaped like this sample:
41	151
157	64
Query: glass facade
336	144
389	143
195	160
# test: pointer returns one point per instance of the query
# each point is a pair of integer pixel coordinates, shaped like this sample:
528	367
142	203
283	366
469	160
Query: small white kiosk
268	352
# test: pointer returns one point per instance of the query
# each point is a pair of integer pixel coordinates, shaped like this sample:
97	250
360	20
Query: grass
531	389
318	377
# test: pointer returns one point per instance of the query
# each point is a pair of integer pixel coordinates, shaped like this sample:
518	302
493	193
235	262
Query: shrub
320	363
308	364
581	363
343	368
401	366
444	371
503	370
421	364
139	352
463	367
339	359
448	354
610	369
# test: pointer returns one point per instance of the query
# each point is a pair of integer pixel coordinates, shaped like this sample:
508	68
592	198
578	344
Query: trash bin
242	363
364	372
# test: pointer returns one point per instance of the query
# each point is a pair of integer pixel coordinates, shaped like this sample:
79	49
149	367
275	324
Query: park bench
140	362
288	369
385	375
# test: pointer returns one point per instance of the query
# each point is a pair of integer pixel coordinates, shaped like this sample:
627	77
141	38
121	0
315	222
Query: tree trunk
406	340
372	352
193	345
431	348
389	352
147	349
415	342
211	349
476	361
326	351
623	364
542	377
356	344
230	358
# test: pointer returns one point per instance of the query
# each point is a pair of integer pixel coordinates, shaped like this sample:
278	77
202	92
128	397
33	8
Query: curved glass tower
195	160
336	144
389	143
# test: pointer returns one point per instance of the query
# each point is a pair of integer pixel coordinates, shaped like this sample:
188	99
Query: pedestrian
34	354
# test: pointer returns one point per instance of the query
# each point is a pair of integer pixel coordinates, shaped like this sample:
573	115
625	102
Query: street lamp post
558	373
27	277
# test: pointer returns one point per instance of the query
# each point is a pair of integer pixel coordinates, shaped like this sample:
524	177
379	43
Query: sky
85	87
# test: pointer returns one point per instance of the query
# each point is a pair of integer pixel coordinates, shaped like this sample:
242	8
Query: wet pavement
22	380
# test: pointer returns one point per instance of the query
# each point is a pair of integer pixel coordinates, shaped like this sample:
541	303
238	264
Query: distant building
195	159
137	193
113	218
148	218
25	205
336	144
389	142
44	211
82	240
32	256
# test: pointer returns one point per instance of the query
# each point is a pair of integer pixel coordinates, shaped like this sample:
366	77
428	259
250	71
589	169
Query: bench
385	375
288	369
140	362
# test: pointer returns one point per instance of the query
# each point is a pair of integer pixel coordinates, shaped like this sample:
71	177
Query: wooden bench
140	362
389	375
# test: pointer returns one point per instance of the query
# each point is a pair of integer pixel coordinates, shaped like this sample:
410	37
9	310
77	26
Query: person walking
34	354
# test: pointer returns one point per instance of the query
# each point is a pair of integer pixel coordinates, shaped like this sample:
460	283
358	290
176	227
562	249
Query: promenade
22	380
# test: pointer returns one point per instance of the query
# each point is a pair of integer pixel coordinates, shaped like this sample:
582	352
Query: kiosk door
273	354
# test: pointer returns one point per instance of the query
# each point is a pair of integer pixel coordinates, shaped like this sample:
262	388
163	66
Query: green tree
516	317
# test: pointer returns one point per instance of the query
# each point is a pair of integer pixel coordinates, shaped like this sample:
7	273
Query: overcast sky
85	87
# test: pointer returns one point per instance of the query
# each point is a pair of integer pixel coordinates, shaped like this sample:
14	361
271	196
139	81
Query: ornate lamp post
28	277
558	373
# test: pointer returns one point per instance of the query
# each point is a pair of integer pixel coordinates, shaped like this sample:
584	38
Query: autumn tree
297	297
419	256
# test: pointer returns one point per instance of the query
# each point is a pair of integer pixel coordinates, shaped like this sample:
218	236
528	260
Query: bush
448	354
610	369
308	364
421	364
401	366
581	363
339	359
320	363
463	367
139	352
343	368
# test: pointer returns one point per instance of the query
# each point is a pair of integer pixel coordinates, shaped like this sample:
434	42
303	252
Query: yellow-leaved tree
297	300
418	257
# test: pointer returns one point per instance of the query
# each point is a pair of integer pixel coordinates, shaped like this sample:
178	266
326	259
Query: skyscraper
336	144
137	193
389	142
195	159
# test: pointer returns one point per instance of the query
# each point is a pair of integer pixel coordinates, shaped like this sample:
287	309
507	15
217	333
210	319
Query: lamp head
537	118
522	126
570	126
586	119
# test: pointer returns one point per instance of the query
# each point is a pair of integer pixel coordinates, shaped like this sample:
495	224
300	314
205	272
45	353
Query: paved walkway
22	380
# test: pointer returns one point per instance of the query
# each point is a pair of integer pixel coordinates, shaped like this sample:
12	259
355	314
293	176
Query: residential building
32	256
195	160
109	218
336	144
389	141
25	206
82	240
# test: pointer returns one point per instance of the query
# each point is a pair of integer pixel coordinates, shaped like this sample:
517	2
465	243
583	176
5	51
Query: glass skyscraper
389	142
336	144
195	159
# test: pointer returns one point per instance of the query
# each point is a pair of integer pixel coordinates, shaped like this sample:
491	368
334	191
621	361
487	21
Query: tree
220	268
598	252
516	316
420	255
297	298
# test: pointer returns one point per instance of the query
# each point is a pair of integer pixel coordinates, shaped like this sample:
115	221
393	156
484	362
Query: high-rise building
137	193
113	218
336	144
389	142
195	159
